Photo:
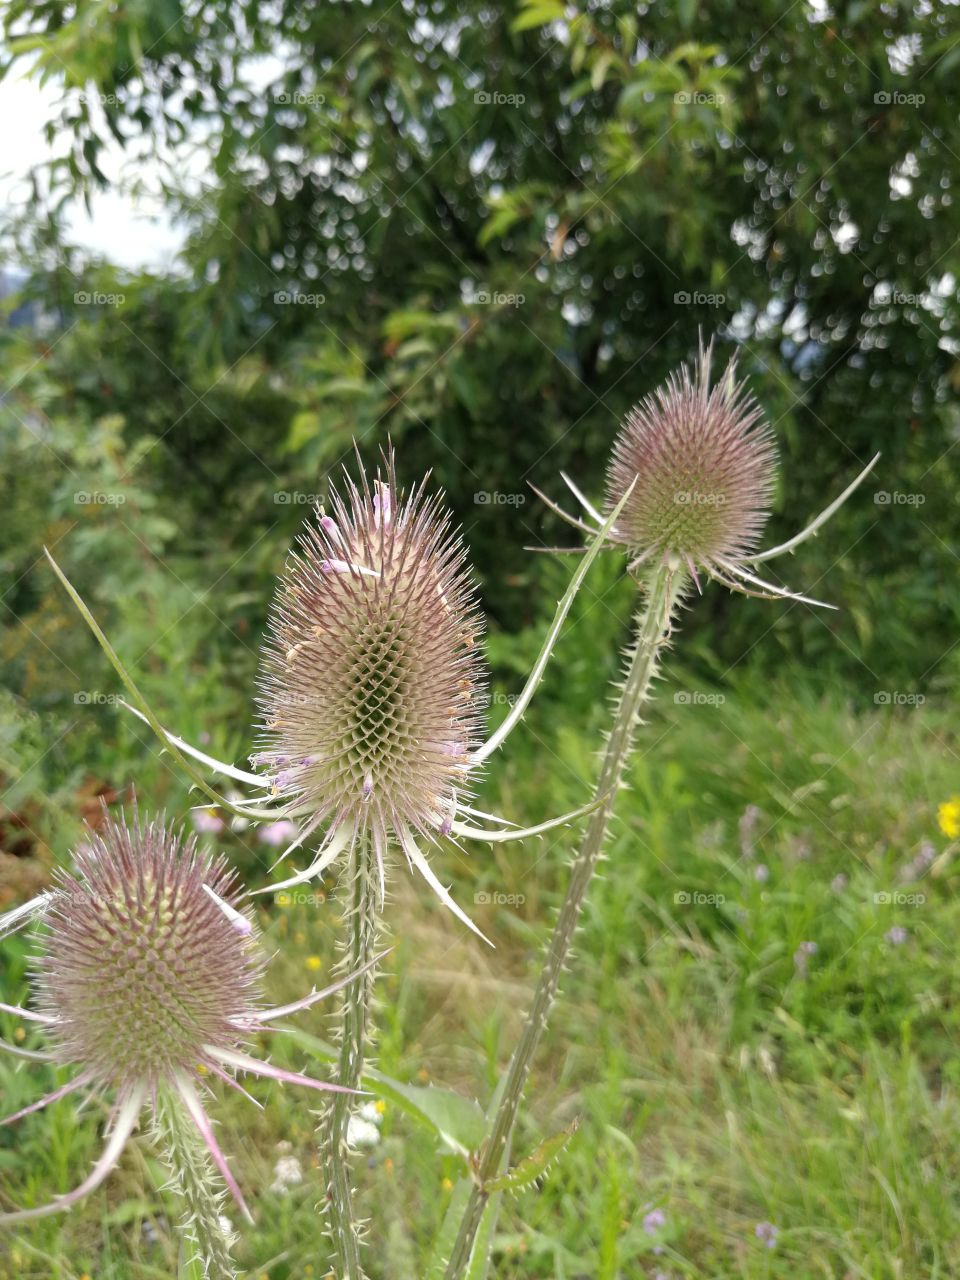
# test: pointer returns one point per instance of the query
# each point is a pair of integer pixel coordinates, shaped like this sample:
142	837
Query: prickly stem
665	586
206	1237
362	921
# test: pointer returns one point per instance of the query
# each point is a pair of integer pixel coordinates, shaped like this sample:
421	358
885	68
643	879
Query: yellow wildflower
948	815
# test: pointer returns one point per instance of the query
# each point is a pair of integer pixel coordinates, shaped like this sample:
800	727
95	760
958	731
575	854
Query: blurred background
240	237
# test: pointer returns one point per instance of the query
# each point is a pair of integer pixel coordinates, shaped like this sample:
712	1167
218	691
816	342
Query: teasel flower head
146	979
694	467
703	462
372	689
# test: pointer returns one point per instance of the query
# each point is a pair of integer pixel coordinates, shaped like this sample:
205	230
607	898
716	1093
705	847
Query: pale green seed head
704	463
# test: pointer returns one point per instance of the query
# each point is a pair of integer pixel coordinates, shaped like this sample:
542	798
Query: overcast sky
131	233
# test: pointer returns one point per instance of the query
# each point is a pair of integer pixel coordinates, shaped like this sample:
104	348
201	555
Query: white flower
286	1173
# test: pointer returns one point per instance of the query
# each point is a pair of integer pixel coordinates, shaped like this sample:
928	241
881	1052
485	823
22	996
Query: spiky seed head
140	966
704	462
371	689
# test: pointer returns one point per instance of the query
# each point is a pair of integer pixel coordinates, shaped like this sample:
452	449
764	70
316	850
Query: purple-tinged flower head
371	690
147	957
690	483
703	462
147	980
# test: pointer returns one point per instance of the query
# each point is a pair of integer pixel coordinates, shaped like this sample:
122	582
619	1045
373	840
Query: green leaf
458	1121
535	1164
498	223
538	14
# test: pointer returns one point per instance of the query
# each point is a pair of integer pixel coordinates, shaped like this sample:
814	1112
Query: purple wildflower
801	957
207	822
653	1221
767	1233
278	833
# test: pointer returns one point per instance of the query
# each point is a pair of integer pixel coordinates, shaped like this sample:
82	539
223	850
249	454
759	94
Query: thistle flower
694	467
705	464
147	976
372	688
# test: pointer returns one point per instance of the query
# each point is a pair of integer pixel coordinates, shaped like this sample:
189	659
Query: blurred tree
490	229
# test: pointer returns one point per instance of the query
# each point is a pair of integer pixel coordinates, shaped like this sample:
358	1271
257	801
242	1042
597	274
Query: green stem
363	919
664	588
206	1242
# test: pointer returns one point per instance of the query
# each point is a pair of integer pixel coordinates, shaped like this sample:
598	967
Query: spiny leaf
535	1164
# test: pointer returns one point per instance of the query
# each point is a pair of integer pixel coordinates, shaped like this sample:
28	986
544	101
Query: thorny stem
181	1148
362	919
664	588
